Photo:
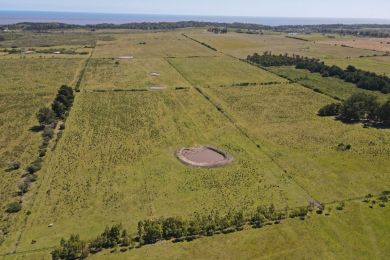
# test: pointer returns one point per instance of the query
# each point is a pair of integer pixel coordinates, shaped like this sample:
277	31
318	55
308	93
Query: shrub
13	166
35	166
340	206
74	248
24	186
330	110
344	147
13	207
48	132
46	116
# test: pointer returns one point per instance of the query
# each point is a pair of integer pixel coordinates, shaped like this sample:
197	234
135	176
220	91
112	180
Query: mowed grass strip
221	71
116	164
107	74
283	118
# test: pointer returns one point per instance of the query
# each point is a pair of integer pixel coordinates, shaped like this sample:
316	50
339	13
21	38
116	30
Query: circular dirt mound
204	156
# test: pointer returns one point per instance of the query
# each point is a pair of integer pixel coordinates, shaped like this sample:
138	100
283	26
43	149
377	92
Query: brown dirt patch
204	156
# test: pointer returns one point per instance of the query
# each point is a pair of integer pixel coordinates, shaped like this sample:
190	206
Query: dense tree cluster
217	30
360	107
70	249
362	79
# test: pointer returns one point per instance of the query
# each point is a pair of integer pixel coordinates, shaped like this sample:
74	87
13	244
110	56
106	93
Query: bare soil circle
204	156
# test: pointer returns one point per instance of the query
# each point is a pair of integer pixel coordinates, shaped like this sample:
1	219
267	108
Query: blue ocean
11	17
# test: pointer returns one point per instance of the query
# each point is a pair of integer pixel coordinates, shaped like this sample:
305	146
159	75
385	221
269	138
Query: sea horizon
83	18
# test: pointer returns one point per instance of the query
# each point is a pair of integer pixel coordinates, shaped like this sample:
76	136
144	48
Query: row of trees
360	107
362	79
75	248
47	118
152	231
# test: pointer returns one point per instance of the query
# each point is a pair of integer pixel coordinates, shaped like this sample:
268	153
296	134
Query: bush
330	110
35	166
46	116
340	206
344	147
48	132
13	166
14	207
74	248
24	186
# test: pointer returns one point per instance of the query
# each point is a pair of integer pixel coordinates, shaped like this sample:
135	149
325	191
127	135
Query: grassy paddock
120	147
220	71
283	119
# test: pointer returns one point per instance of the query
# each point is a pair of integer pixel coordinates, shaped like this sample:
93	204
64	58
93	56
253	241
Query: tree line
48	119
362	30
360	107
359	30
176	229
362	79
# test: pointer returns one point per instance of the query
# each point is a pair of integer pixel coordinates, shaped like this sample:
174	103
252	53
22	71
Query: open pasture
330	86
376	44
217	71
109	74
283	119
241	45
378	64
151	45
116	164
116	161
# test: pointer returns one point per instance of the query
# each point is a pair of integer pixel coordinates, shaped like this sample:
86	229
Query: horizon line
196	15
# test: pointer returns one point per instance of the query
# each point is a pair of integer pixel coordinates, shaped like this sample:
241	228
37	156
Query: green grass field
116	163
332	87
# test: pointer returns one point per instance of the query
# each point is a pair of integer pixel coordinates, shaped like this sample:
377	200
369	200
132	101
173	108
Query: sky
264	8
